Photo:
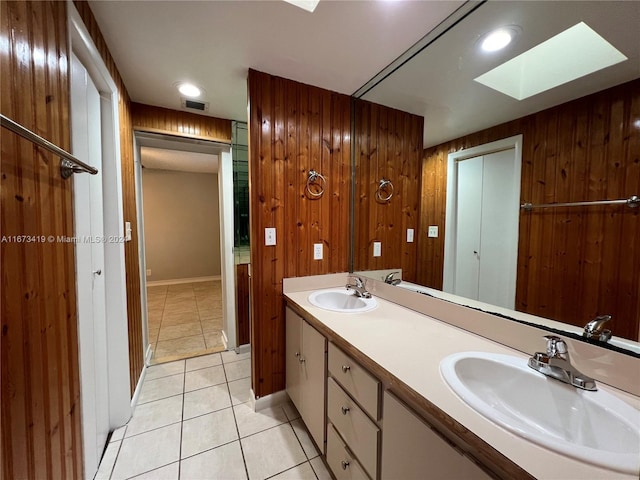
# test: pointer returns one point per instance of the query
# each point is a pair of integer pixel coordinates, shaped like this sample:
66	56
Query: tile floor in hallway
194	421
184	320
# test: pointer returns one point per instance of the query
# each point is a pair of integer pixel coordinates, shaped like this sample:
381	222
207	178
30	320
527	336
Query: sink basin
341	300
594	427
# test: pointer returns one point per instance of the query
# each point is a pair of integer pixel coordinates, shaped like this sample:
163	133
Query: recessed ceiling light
189	90
308	5
571	54
497	40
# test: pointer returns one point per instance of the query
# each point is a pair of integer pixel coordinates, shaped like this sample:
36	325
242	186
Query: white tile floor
194	420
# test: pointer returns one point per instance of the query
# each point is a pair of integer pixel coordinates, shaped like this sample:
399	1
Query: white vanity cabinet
305	373
411	450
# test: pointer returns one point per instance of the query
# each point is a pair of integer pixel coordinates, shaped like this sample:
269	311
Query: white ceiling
177	160
438	83
213	44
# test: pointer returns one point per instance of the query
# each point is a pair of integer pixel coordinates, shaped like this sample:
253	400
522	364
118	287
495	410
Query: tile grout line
235	421
291	468
184	382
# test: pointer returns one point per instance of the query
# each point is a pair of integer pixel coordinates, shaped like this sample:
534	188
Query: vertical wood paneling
184	124
242	304
388	145
293	128
41	436
573	263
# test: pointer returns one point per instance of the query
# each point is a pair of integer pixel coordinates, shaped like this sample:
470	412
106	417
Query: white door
487	228
89	231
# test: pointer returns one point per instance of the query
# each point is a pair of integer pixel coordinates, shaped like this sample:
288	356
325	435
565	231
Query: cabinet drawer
355	380
341	462
357	430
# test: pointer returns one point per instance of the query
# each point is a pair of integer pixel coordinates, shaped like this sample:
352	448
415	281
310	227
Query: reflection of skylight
308	5
574	53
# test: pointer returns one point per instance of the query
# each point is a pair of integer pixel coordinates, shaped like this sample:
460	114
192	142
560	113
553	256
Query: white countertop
410	346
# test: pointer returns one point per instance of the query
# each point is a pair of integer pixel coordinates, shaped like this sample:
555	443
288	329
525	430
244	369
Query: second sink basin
594	427
341	300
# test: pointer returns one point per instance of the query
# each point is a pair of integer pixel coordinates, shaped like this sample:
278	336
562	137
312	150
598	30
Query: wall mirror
467	136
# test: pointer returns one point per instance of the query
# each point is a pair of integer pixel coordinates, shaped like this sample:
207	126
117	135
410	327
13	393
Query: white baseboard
246	348
183	280
277	398
225	340
147	357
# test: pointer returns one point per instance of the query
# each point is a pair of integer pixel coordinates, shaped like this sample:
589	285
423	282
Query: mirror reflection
467	137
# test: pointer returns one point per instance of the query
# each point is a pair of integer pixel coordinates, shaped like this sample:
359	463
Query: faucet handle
358	281
556	346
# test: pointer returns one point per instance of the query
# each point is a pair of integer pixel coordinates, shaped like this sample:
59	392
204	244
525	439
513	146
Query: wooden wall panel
132	264
293	128
388	145
41	430
573	263
184	124
243	323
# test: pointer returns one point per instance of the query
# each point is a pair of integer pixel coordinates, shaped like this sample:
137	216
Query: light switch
269	236
377	249
433	231
317	251
409	235
127	231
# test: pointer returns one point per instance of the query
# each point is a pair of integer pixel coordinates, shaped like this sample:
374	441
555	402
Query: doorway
483	205
181	211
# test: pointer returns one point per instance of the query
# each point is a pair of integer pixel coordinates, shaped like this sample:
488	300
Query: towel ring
313	180
387	187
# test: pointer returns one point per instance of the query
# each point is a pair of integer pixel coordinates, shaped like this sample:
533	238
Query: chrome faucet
390	280
555	363
595	330
358	287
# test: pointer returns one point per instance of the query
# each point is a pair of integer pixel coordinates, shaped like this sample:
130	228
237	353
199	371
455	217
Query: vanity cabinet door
293	367
313	382
306	373
412	450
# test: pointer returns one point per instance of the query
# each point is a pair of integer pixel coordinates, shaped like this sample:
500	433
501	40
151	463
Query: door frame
144	137
451	221
119	396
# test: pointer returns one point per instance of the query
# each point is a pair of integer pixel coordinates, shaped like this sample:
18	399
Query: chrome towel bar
633	201
68	163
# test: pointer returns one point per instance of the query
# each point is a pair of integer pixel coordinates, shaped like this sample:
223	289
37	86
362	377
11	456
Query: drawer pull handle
302	360
344	464
345	368
345	410
297	354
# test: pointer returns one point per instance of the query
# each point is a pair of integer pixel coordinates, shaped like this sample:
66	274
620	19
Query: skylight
574	53
308	5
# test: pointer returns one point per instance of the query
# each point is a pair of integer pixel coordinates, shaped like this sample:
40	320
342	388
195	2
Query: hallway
185	320
195	420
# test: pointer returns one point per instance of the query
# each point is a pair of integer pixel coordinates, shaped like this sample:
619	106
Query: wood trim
153	119
587	149
41	424
293	128
484	454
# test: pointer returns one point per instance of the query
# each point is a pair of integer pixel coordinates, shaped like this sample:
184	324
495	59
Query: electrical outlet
269	236
433	231
409	235
148	272
317	251
377	249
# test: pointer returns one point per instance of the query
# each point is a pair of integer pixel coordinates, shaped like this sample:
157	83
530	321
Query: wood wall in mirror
388	146
573	263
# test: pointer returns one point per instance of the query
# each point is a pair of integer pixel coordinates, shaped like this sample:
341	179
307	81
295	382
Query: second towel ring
384	186
312	179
